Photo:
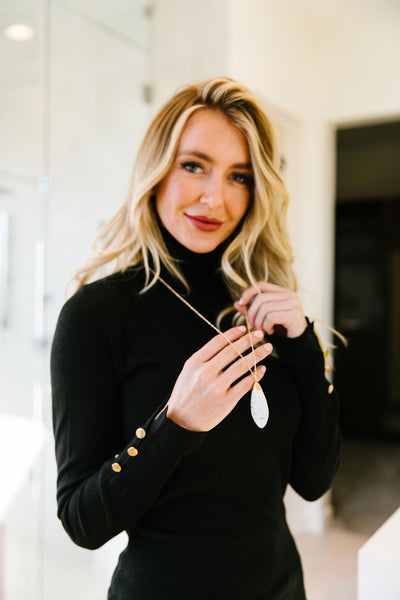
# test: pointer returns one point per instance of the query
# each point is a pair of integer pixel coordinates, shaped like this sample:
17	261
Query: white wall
358	65
188	44
269	50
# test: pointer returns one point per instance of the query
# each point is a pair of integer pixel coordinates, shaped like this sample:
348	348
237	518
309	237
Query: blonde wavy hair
259	252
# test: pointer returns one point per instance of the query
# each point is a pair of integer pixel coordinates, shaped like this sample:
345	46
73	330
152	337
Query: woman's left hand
273	306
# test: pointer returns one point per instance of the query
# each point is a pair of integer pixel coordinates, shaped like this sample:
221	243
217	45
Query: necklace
258	402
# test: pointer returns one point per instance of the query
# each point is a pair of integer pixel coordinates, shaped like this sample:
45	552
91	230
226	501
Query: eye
192	166
243	179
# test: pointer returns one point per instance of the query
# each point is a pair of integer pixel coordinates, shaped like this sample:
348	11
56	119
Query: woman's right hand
205	391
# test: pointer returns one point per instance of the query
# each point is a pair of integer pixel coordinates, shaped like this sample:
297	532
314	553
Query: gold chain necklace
258	402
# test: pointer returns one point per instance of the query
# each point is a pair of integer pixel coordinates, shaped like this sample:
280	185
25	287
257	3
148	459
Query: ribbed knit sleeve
100	494
317	446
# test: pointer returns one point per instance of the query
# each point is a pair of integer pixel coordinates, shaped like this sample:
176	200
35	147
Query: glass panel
21	432
20	155
72	114
98	119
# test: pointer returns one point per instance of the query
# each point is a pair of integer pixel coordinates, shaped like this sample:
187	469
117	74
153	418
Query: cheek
165	200
240	208
174	195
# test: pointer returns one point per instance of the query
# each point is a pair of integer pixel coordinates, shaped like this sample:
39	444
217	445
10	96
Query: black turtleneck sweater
204	511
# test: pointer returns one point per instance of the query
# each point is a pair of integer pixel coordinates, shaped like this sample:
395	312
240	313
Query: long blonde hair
259	252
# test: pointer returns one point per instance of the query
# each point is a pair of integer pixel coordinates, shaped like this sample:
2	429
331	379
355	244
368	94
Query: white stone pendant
259	406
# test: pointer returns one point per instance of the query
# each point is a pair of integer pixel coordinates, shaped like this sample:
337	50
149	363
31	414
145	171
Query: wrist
174	416
298	330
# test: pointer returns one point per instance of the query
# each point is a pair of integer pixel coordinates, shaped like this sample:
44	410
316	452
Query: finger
275	297
231	352
247	296
276	318
267	286
218	342
267	319
244	386
240	366
258	299
261	286
269	303
294	322
258	314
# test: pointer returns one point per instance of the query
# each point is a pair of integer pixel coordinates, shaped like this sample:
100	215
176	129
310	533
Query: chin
204	251
198	243
201	248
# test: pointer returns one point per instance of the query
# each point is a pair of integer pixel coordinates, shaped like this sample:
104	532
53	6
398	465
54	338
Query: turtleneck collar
197	268
208	291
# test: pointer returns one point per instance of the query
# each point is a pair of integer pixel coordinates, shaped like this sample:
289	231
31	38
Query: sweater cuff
302	351
186	439
159	437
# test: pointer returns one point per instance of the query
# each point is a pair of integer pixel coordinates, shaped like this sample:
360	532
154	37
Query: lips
204	223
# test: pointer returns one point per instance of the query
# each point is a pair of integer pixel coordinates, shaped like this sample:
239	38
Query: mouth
204	223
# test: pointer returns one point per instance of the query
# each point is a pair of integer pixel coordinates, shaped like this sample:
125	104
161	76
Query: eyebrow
204	156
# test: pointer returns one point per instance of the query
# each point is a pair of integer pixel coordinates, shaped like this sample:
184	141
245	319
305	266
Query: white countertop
386	541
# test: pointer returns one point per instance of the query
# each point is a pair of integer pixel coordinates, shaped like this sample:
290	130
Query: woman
154	432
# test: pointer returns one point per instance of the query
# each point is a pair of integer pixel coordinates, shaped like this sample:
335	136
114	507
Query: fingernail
268	347
242	328
258	334
240	301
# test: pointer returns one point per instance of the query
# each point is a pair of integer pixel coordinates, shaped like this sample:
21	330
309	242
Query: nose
213	193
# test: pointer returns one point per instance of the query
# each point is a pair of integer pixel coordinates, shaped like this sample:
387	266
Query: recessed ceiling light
19	32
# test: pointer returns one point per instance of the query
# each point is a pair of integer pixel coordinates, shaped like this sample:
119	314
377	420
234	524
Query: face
207	191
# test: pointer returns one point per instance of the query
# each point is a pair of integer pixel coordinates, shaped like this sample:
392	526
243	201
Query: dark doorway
367	282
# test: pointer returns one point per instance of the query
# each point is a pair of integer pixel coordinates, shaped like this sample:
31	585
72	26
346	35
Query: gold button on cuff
140	433
326	352
330	389
132	451
116	467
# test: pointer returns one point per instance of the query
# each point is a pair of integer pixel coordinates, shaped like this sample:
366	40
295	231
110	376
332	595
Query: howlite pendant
259	406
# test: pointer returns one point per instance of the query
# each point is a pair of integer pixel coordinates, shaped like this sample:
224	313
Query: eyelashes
238	177
192	166
246	180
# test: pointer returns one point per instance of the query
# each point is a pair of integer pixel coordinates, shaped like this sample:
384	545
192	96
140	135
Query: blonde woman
172	419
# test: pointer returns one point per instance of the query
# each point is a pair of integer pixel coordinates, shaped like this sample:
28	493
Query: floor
330	563
365	494
367	487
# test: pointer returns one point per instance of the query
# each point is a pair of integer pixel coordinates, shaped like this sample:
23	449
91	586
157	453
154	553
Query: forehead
210	131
